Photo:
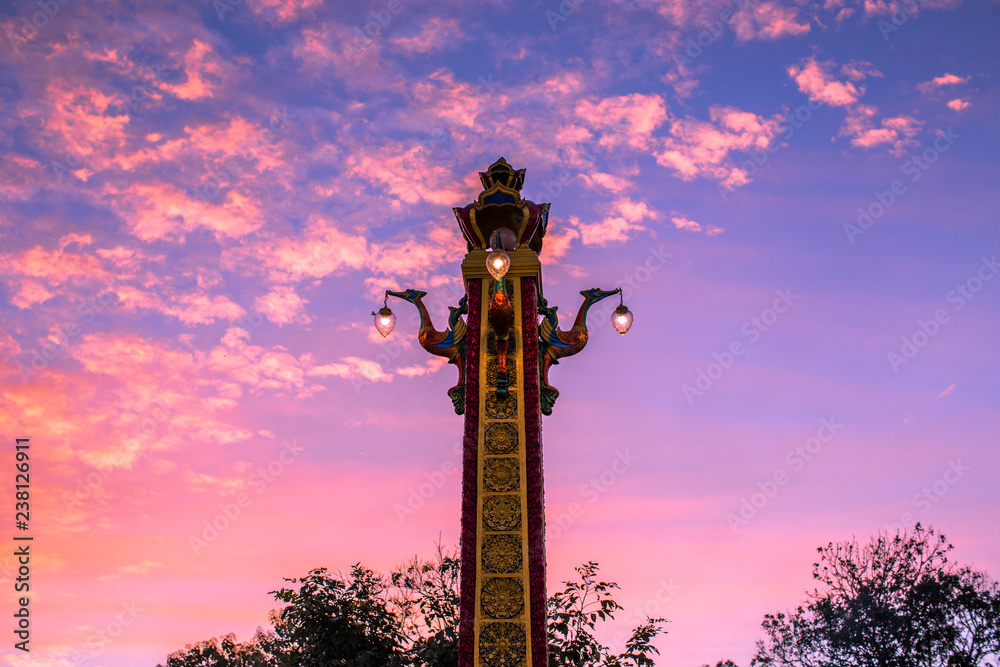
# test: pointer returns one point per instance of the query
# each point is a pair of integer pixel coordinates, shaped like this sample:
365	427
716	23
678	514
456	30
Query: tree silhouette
410	619
573	614
895	602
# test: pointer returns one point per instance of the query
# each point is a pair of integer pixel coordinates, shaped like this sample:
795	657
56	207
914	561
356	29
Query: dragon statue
448	343
555	343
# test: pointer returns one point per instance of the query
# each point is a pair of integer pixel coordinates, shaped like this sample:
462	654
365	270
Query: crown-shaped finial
504	174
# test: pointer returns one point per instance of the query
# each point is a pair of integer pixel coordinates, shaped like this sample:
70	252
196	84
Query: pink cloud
352	368
407	173
557	242
282	11
194	309
613	184
433	365
860	128
609	230
816	81
282	305
633	211
700	149
685	223
958	104
85	134
856	70
197	66
231	148
208	139
942	81
322	250
163	212
435	34
908	9
20	176
631	118
408	257
844	14
36	275
333	50
154	397
79	239
261	368
626	217
456	107
678	12
947	391
767	20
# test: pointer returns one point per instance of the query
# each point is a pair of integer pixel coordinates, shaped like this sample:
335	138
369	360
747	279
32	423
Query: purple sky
201	203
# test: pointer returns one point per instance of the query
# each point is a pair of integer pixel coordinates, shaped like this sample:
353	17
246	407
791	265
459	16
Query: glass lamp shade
385	320
621	319
497	263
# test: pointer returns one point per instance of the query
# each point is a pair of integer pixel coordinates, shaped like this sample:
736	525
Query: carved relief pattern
501	474
502	512
502	554
501	438
501	408
502	597
502	645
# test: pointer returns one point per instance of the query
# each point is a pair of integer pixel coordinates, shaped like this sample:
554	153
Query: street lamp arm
448	343
555	343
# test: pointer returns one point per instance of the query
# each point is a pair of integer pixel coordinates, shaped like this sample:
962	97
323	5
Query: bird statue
448	343
554	343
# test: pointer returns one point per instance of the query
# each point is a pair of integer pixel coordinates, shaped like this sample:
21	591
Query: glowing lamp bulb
385	320
621	320
497	264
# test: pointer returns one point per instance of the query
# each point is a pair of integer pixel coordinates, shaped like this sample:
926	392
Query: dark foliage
409	619
895	602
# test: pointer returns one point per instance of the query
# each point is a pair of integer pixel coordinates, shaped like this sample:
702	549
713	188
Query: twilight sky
201	203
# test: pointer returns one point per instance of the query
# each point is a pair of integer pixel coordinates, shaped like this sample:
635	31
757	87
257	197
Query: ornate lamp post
503	353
